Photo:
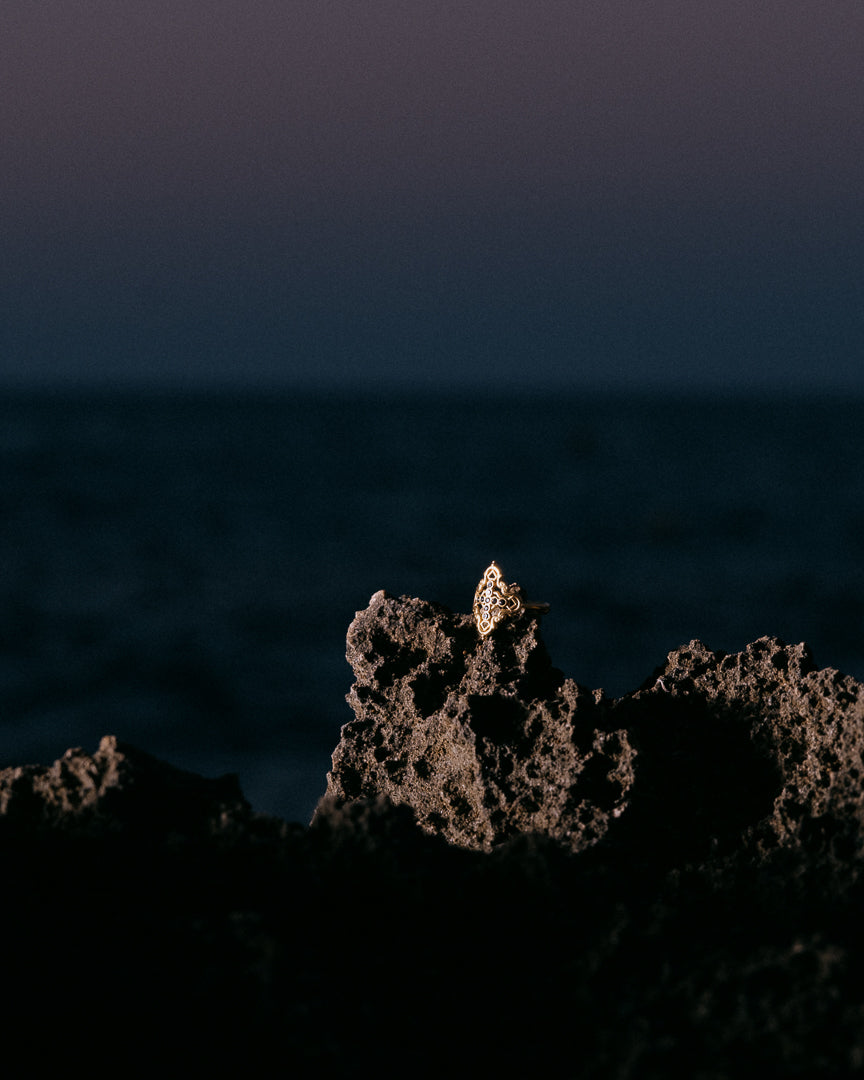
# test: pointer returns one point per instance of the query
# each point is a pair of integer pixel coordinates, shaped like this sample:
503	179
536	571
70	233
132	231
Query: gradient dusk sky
599	193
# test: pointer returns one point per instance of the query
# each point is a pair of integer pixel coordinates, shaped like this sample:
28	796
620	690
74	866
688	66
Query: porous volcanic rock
486	740
666	884
119	788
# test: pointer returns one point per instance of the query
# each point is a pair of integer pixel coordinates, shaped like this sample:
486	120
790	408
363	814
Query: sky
556	194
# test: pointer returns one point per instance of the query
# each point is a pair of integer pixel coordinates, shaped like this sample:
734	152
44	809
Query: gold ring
494	600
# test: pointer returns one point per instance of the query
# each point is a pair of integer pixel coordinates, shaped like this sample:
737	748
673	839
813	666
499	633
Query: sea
180	570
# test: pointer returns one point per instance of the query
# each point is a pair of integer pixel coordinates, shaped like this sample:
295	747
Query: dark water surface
181	571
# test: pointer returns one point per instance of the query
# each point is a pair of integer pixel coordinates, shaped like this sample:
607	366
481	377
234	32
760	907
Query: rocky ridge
507	872
486	740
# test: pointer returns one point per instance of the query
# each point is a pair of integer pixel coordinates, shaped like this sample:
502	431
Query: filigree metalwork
495	600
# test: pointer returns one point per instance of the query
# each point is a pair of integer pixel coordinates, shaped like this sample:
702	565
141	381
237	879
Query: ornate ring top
494	600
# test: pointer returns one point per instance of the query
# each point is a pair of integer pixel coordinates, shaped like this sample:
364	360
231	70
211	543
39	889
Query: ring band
494	600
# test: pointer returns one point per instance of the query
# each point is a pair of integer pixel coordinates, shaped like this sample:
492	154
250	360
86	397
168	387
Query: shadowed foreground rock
509	873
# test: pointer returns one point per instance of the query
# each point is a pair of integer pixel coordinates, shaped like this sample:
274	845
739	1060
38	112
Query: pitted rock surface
806	725
485	740
118	788
667	884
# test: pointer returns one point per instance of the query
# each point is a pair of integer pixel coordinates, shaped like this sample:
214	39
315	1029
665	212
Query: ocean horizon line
395	392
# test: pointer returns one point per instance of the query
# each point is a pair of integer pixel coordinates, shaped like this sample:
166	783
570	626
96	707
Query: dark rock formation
664	884
118	789
485	740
